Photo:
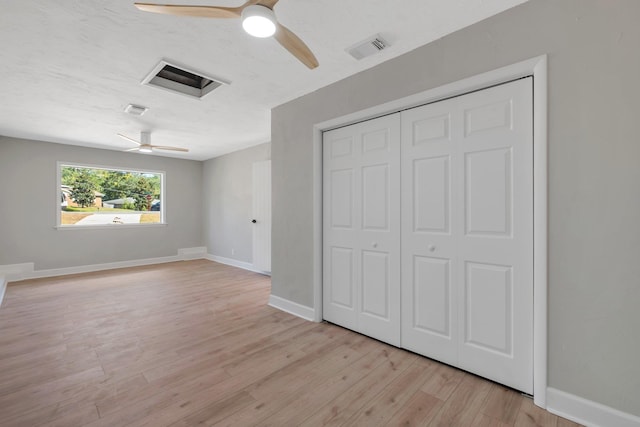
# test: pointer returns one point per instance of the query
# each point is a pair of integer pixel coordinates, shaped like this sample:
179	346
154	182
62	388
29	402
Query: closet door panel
495	234
341	258
429	309
362	227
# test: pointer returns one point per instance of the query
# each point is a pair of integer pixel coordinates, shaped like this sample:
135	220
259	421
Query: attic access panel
182	80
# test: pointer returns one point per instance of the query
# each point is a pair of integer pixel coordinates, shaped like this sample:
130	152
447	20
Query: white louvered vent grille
182	80
368	47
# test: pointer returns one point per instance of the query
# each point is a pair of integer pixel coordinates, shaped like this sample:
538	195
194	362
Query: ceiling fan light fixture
259	21
146	150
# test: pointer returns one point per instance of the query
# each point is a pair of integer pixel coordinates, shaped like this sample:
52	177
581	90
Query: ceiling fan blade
198	11
129	139
293	44
162	147
268	3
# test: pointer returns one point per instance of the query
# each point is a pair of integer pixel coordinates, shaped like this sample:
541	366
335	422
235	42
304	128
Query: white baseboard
291	307
587	412
3	287
17	272
199	252
235	263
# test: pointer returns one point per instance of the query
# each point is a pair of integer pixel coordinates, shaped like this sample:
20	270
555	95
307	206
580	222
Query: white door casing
467	239
361	229
262	215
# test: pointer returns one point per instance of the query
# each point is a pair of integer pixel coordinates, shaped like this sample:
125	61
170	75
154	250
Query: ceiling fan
258	19
144	146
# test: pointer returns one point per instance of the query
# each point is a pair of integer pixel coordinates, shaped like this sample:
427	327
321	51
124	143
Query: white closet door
495	234
262	215
468	232
429	265
361	227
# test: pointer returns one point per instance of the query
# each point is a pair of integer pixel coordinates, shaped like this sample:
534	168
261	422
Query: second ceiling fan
145	146
258	19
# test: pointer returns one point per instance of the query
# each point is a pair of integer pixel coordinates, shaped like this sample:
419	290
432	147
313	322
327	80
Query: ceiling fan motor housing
259	21
145	138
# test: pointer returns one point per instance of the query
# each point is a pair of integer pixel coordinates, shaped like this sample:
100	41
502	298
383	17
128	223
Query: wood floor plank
483	420
464	404
443	382
502	404
418	411
283	388
343	406
64	364
220	409
196	395
195	343
382	407
325	388
129	413
47	392
532	416
79	416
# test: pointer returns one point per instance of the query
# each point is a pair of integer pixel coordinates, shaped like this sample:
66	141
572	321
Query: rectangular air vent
135	110
180	79
367	47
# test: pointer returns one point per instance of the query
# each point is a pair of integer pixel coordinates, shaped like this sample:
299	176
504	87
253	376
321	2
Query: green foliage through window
128	196
83	189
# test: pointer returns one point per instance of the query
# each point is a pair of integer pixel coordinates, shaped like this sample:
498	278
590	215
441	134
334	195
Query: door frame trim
535	67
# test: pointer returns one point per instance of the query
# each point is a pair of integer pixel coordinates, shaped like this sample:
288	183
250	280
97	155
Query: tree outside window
92	196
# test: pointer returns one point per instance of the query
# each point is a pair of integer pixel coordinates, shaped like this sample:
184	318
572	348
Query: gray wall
228	202
28	208
594	191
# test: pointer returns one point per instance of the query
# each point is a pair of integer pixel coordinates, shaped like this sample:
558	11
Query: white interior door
361	227
495	234
262	215
466	295
429	253
468	232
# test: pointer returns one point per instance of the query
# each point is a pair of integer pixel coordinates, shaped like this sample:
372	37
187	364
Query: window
103	196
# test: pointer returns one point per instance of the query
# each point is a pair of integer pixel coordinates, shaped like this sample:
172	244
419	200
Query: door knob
253	221
432	248
374	244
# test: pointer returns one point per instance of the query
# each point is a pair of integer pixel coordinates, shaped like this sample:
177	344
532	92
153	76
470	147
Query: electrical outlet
233	251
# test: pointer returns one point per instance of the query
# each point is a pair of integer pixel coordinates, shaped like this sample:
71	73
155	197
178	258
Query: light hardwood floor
194	343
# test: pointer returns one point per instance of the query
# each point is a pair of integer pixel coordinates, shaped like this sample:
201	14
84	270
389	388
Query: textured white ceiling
68	68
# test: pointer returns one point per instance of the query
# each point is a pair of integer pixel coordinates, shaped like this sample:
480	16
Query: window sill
109	226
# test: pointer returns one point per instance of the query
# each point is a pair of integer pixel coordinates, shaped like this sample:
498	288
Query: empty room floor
195	343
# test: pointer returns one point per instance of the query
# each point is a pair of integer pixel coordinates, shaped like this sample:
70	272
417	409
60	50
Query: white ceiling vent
135	110
368	47
182	80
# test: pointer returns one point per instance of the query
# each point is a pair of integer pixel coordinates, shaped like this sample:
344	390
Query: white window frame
58	192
